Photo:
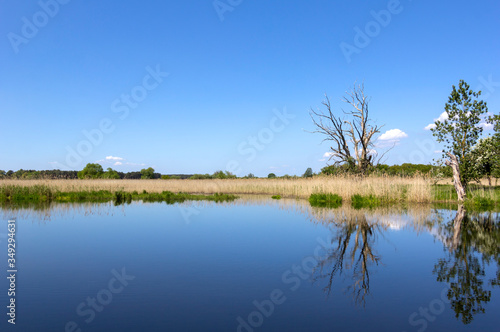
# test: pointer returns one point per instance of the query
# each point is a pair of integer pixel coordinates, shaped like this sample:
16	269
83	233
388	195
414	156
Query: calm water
252	265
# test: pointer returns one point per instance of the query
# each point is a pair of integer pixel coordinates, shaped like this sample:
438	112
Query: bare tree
351	133
351	251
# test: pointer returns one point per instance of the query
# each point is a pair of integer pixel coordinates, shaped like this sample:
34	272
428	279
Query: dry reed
410	189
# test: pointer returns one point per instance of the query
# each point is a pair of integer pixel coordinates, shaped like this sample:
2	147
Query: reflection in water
473	244
46	212
352	250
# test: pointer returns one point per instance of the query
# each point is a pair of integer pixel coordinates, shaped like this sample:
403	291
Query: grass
171	198
479	203
475	192
39	194
359	202
276	196
417	189
325	200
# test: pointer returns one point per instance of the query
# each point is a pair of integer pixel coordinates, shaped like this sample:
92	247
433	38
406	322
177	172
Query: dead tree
351	133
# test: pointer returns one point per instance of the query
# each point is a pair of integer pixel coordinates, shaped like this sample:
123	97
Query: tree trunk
453	162
457	225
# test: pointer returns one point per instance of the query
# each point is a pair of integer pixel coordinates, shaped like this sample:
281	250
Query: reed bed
416	189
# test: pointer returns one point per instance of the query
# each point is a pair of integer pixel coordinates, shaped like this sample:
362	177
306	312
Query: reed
417	189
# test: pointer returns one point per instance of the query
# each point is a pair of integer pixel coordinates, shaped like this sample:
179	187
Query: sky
202	85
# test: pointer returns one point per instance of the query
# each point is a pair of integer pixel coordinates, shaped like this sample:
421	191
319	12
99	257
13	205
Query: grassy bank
40	194
416	189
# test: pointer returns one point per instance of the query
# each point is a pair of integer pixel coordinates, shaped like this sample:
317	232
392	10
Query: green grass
359	202
479	203
444	192
83	196
325	200
476	193
479	197
19	194
32	195
171	198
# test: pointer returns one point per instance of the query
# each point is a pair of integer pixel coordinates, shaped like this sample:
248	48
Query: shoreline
385	190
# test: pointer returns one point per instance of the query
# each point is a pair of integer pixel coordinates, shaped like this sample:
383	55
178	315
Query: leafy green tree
335	169
132	175
19	174
200	177
165	177
223	175
495	121
110	174
91	171
147	173
271	176
460	132
219	175
472	241
486	154
496	140
308	173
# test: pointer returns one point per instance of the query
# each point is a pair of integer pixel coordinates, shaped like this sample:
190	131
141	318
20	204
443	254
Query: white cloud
113	158
441	118
486	126
118	161
444	116
327	154
393	135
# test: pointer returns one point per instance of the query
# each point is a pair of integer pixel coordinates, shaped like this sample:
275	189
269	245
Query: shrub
325	200
358	201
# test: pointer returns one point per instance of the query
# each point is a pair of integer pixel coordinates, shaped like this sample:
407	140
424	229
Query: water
252	265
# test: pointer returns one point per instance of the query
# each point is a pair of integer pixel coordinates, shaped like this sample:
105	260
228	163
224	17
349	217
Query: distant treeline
95	171
58	174
406	169
32	174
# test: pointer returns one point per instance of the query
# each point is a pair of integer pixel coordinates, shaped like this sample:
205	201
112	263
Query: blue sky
196	86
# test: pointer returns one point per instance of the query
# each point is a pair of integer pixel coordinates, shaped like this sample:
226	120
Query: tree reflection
352	250
473	243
